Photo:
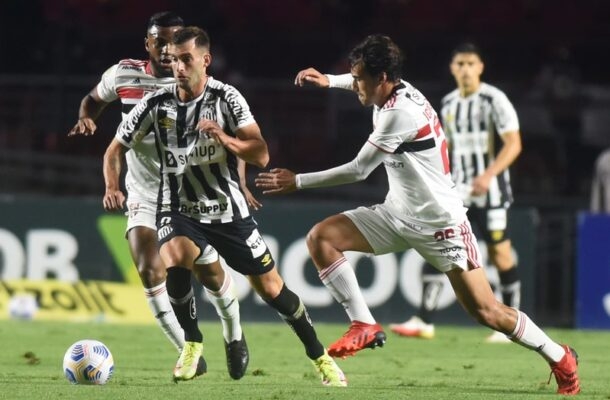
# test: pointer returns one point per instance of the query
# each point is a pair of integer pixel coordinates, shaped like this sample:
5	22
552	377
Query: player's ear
207	60
146	43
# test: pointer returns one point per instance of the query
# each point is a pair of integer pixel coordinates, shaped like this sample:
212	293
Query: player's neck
466	91
189	94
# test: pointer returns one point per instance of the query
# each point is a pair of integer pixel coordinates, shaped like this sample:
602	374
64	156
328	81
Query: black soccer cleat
237	357
202	367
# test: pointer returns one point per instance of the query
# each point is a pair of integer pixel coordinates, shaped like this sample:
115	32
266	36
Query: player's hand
113	200
213	129
250	199
84	126
276	181
480	185
313	77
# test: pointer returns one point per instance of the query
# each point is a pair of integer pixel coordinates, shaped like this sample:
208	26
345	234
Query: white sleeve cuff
297	181
344	81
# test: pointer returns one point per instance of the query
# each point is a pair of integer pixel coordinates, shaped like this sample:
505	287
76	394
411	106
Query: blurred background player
422	209
129	80
482	130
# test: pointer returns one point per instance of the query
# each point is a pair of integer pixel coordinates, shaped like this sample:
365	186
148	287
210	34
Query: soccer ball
88	362
22	306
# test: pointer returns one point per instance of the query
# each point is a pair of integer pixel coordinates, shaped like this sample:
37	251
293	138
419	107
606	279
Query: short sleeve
106	88
392	128
504	114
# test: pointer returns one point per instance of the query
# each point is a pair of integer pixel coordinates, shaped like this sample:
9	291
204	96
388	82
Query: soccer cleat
237	357
414	327
359	336
497	337
189	362
329	371
565	372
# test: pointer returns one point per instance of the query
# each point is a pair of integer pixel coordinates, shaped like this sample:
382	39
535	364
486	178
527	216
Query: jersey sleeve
504	114
344	81
106	88
136	124
236	108
368	158
393	127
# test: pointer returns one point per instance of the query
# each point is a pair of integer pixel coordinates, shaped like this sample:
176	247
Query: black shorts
238	242
491	223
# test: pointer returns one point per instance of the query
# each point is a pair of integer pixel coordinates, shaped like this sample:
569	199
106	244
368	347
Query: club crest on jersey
166	123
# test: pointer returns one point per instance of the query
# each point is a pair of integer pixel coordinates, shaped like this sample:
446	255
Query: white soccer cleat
414	327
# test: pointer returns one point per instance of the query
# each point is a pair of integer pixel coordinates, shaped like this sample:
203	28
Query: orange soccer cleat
359	336
566	374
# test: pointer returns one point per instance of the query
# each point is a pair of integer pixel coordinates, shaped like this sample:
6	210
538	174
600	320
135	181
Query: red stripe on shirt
130	93
423	131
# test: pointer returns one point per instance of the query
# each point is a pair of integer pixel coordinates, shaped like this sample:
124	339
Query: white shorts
144	213
446	248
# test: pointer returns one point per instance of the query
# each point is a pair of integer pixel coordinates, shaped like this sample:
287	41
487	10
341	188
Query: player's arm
250	199
511	148
113	162
248	144
316	78
91	106
280	180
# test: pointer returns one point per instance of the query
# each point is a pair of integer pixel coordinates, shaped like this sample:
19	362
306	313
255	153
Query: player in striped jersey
129	80
200	127
483	134
422	209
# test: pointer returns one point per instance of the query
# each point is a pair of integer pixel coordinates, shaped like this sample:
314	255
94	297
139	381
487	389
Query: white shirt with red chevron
409	140
129	80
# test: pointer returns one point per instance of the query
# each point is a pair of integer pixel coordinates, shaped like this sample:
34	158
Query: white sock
341	281
529	335
227	307
158	302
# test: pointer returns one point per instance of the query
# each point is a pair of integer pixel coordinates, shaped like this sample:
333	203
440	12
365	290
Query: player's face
467	68
189	64
366	86
156	43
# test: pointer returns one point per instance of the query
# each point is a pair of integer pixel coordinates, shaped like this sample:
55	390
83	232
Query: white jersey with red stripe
130	80
417	164
409	140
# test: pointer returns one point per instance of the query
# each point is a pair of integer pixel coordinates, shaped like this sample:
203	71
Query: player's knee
315	236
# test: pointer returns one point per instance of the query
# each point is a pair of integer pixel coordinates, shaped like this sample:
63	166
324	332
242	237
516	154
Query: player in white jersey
483	133
422	209
129	80
200	127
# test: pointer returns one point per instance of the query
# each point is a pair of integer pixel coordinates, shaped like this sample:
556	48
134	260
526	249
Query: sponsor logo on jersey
394	164
208	208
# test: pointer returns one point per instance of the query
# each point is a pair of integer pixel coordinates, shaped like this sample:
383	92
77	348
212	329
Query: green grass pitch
457	364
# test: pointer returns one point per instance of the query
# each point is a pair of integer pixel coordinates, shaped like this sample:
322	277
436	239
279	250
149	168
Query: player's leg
500	255
245	250
474	293
290	307
327	241
142	239
178	250
220	290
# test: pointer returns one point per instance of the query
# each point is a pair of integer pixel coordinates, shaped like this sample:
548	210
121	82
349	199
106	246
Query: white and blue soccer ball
88	362
22	306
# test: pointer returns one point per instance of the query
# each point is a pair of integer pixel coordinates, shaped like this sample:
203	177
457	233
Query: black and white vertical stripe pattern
473	126
187	186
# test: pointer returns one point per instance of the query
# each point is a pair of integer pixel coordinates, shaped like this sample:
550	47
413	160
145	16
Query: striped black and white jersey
199	176
129	80
473	126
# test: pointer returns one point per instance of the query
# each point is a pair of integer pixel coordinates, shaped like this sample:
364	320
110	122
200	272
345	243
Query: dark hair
466	47
185	34
378	53
164	19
